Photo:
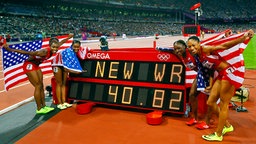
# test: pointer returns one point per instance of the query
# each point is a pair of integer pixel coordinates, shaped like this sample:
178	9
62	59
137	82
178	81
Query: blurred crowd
21	21
227	9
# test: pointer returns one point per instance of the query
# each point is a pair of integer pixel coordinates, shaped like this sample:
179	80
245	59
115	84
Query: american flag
234	55
203	76
220	35
68	59
191	74
12	61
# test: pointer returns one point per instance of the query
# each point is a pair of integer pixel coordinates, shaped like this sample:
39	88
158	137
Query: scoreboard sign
189	30
135	78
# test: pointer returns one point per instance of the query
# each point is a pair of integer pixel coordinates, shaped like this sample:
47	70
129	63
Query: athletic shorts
232	75
29	66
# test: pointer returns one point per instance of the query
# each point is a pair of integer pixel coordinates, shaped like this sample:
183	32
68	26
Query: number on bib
29	67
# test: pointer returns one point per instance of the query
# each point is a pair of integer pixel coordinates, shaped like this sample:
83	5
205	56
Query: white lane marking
16	105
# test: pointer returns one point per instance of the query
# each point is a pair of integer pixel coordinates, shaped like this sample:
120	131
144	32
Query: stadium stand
25	20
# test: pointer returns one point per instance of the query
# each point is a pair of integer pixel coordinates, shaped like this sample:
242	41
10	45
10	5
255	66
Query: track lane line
45	77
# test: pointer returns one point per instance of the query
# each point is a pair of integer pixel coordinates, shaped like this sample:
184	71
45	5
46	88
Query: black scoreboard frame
134	83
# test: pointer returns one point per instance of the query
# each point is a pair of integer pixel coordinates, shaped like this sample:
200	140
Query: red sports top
189	61
211	61
38	59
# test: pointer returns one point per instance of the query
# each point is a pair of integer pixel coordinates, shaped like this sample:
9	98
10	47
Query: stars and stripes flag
12	61
234	55
191	74
68	59
218	36
204	74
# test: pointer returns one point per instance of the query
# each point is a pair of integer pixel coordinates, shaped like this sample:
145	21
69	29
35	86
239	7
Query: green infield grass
250	54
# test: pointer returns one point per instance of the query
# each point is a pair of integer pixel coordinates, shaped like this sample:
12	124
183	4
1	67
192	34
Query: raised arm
66	39
229	44
41	52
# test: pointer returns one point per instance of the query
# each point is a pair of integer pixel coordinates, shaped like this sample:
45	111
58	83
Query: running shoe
48	108
42	111
212	137
202	125
191	122
61	106
227	129
67	104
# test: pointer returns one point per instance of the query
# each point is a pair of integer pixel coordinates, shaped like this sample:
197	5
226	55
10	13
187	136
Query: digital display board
135	78
130	96
188	30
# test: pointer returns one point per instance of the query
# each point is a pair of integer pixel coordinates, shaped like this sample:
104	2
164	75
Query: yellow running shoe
227	129
42	111
48	108
212	137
